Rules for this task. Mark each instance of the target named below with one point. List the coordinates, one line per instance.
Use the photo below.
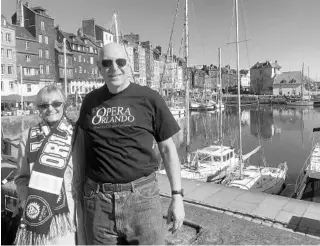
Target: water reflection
(284, 133)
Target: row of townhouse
(33, 56)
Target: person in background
(118, 123)
(45, 171)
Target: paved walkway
(281, 212)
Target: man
(120, 121)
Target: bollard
(6, 146)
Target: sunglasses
(47, 105)
(120, 62)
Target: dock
(285, 213)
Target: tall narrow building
(41, 26)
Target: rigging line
(198, 32)
(232, 22)
(245, 32)
(170, 41)
(181, 43)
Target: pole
(186, 39)
(21, 85)
(238, 80)
(220, 97)
(65, 67)
(116, 26)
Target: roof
(288, 78)
(22, 32)
(59, 47)
(69, 37)
(266, 64)
(104, 29)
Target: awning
(17, 98)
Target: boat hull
(300, 103)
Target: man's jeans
(123, 217)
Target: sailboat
(305, 100)
(253, 178)
(307, 185)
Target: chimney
(20, 13)
(27, 4)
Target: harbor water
(285, 133)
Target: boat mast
(186, 50)
(302, 81)
(238, 80)
(220, 97)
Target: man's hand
(176, 213)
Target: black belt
(103, 187)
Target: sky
(287, 31)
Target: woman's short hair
(44, 93)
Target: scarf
(46, 214)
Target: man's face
(113, 65)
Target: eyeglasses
(120, 62)
(47, 105)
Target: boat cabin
(214, 154)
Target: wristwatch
(178, 192)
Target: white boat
(263, 179)
(176, 111)
(211, 164)
(300, 103)
(207, 106)
(307, 185)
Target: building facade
(91, 29)
(262, 76)
(245, 79)
(288, 84)
(41, 26)
(27, 51)
(8, 59)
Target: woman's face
(51, 107)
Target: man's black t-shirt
(120, 129)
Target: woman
(44, 180)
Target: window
(79, 47)
(28, 87)
(2, 36)
(28, 58)
(27, 45)
(75, 70)
(41, 69)
(1, 85)
(40, 38)
(46, 41)
(92, 70)
(79, 58)
(11, 85)
(47, 54)
(91, 50)
(84, 59)
(84, 71)
(47, 69)
(2, 68)
(9, 53)
(80, 69)
(91, 60)
(40, 53)
(8, 37)
(2, 52)
(42, 25)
